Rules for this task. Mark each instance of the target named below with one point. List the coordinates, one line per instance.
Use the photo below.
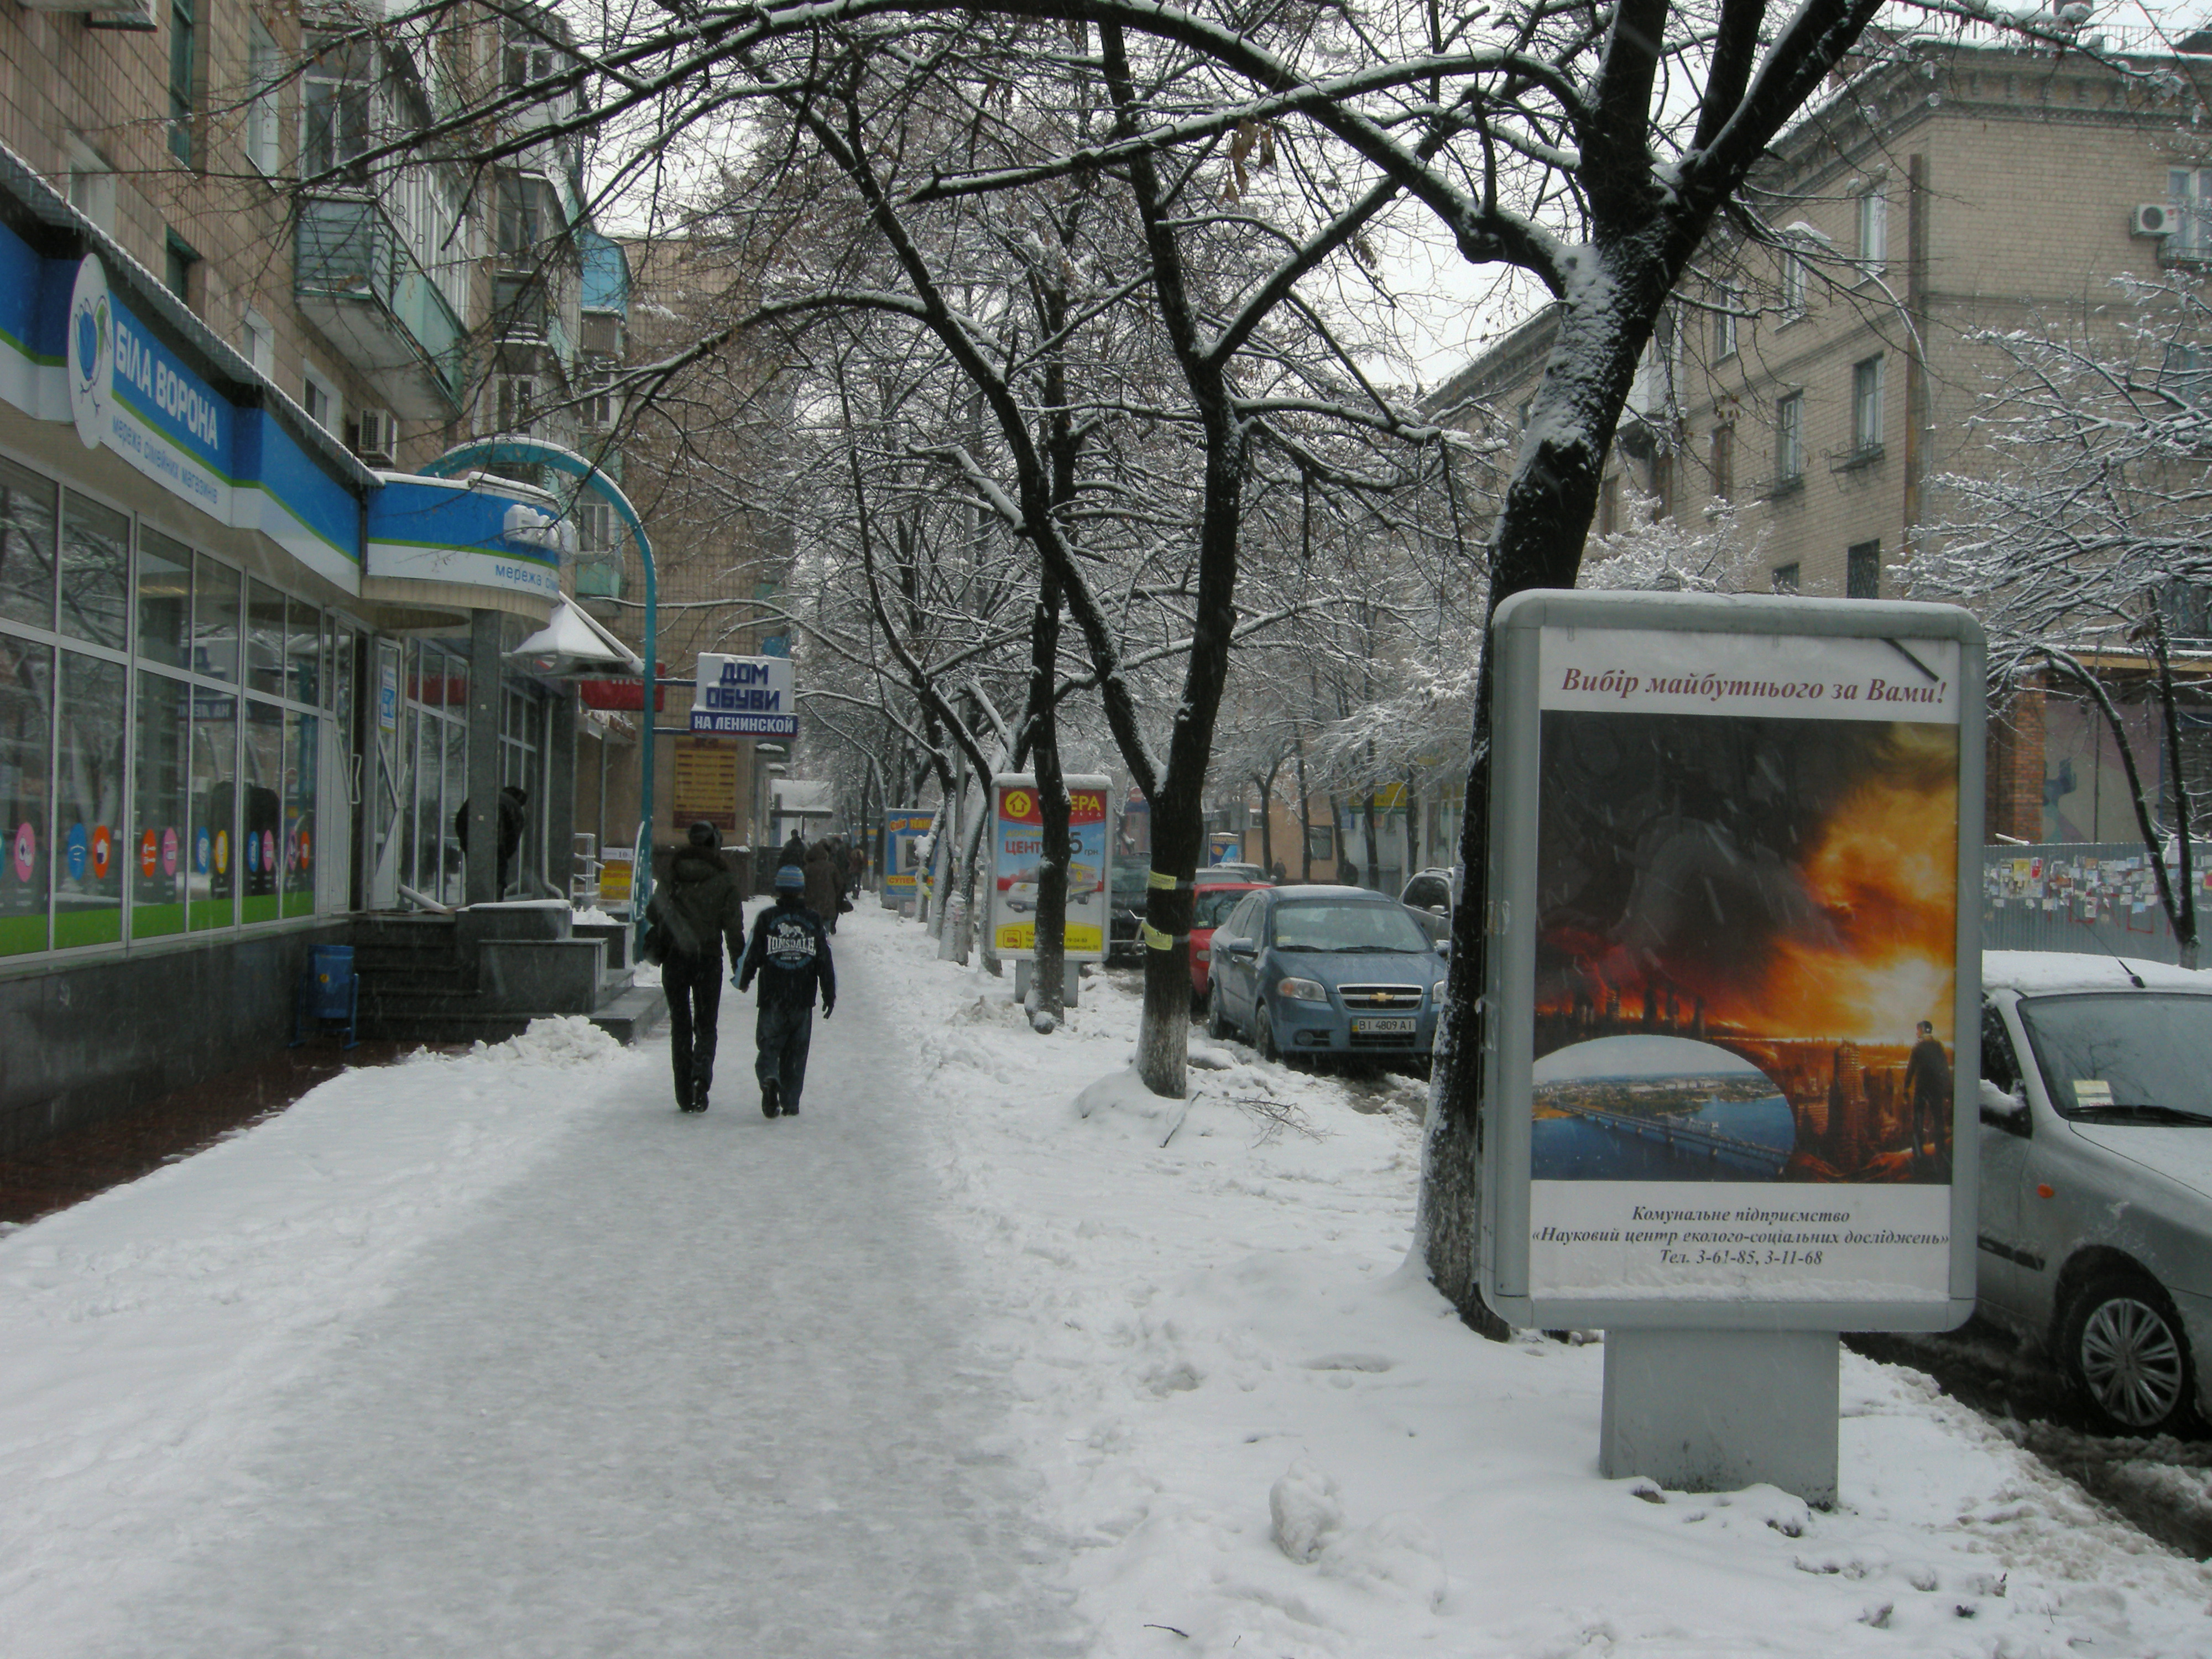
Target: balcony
(355, 281)
(600, 585)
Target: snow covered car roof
(2034, 973)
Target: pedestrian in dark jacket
(697, 908)
(793, 853)
(513, 816)
(790, 953)
(821, 883)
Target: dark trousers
(784, 1032)
(694, 985)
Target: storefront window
(457, 793)
(265, 639)
(160, 850)
(302, 759)
(260, 852)
(215, 619)
(303, 652)
(213, 877)
(164, 600)
(429, 815)
(26, 547)
(95, 571)
(27, 706)
(88, 798)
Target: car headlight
(1301, 990)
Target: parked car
(1232, 871)
(1325, 970)
(2095, 1230)
(1125, 910)
(1434, 889)
(1210, 902)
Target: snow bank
(1261, 1434)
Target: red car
(1212, 903)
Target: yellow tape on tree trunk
(1154, 938)
(1162, 881)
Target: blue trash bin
(328, 992)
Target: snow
(989, 1353)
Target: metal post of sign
(535, 452)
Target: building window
(1321, 841)
(184, 68)
(517, 400)
(1724, 462)
(1862, 571)
(177, 263)
(2190, 191)
(1797, 278)
(264, 73)
(91, 184)
(1872, 230)
(1609, 505)
(1785, 578)
(601, 406)
(1726, 303)
(257, 341)
(529, 56)
(319, 399)
(1866, 406)
(2184, 376)
(1789, 438)
(335, 107)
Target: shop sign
(1734, 993)
(744, 697)
(477, 532)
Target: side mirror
(2004, 1111)
(1443, 947)
(1242, 947)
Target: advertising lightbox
(904, 827)
(1017, 849)
(1734, 973)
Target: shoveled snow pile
(556, 1040)
(1261, 1434)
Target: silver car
(2095, 1232)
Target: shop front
(247, 685)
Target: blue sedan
(1325, 970)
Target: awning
(574, 644)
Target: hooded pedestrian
(689, 916)
(821, 883)
(790, 953)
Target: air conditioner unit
(2154, 219)
(379, 443)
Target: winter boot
(791, 1109)
(698, 1098)
(768, 1100)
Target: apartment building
(1822, 378)
(256, 655)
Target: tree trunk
(1051, 964)
(1537, 543)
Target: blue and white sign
(744, 697)
(480, 531)
(91, 338)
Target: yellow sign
(1022, 936)
(706, 783)
(615, 870)
(1017, 803)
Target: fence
(2099, 897)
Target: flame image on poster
(1745, 939)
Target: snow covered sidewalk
(503, 1356)
(990, 1353)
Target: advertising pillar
(1732, 977)
(1017, 847)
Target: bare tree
(2082, 537)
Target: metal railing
(347, 248)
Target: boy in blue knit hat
(790, 953)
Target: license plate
(1381, 1027)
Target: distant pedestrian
(794, 852)
(790, 953)
(1928, 1087)
(513, 816)
(856, 863)
(822, 895)
(688, 918)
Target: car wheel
(1263, 1037)
(2124, 1350)
(1216, 1017)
